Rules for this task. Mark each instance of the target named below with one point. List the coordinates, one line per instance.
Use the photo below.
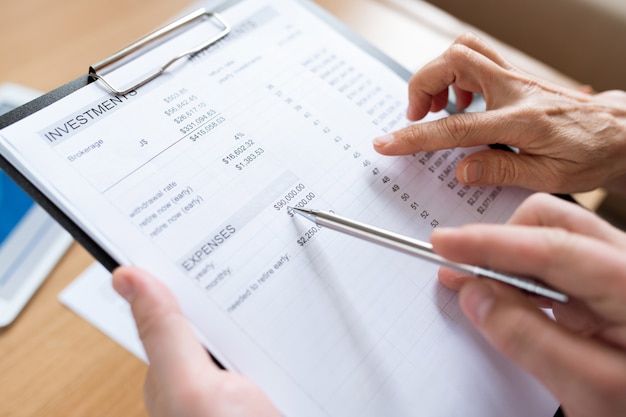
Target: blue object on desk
(31, 242)
(14, 204)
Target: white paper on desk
(92, 297)
(189, 177)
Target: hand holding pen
(581, 355)
(422, 250)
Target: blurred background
(585, 39)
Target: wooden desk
(52, 363)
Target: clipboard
(105, 258)
(132, 51)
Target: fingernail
(383, 140)
(443, 231)
(472, 172)
(123, 286)
(478, 302)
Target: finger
(452, 280)
(587, 89)
(528, 337)
(531, 171)
(546, 210)
(500, 167)
(457, 130)
(614, 98)
(582, 267)
(460, 65)
(478, 44)
(172, 348)
(577, 317)
(615, 335)
(463, 98)
(439, 101)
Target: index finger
(469, 64)
(581, 266)
(457, 130)
(542, 209)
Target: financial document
(191, 177)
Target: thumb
(171, 346)
(500, 167)
(527, 336)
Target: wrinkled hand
(182, 380)
(580, 357)
(569, 141)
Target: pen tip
(302, 212)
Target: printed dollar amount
(308, 235)
(198, 121)
(292, 197)
(248, 159)
(237, 152)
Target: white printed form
(191, 177)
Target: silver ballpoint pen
(422, 250)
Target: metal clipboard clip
(195, 17)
